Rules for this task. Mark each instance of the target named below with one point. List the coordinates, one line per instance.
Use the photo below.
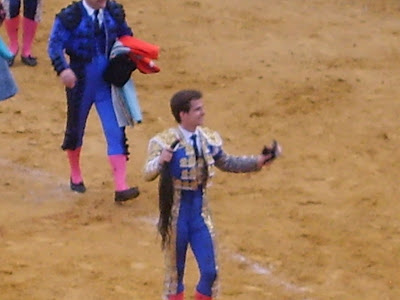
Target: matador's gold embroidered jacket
(183, 163)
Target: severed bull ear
(274, 150)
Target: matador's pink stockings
(199, 296)
(176, 297)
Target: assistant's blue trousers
(92, 89)
(31, 8)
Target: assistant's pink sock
(118, 164)
(73, 157)
(12, 26)
(29, 30)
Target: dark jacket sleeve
(56, 46)
(118, 14)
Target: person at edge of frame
(86, 31)
(32, 14)
(8, 87)
(191, 152)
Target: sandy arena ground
(321, 77)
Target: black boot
(131, 193)
(11, 61)
(77, 187)
(29, 60)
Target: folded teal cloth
(125, 100)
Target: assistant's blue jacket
(73, 32)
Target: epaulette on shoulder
(213, 137)
(167, 137)
(117, 11)
(71, 15)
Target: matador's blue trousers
(92, 89)
(30, 8)
(192, 230)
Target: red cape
(142, 53)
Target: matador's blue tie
(196, 150)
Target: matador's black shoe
(122, 196)
(77, 187)
(29, 60)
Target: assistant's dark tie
(194, 143)
(97, 27)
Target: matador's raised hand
(269, 153)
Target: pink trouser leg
(118, 164)
(28, 35)
(73, 157)
(12, 26)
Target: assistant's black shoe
(77, 187)
(131, 193)
(11, 60)
(29, 60)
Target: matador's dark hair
(180, 101)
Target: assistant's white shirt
(90, 10)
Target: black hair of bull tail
(166, 199)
